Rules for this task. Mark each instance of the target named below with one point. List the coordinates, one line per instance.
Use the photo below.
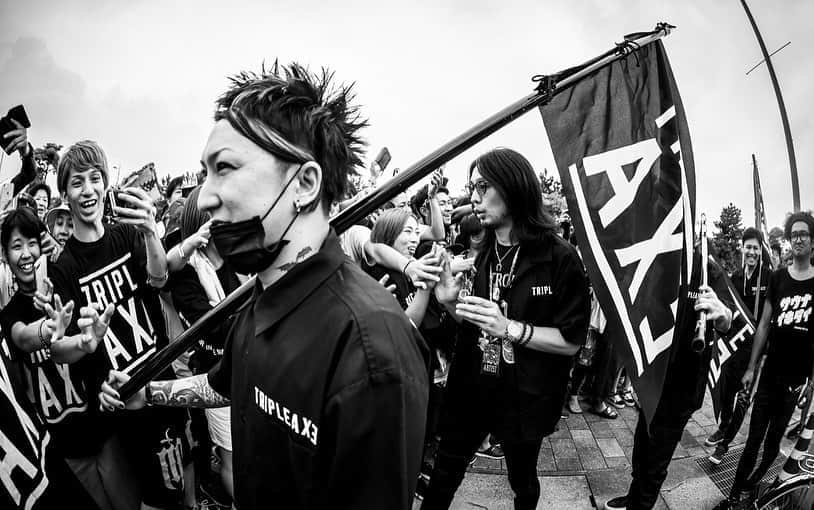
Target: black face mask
(240, 243)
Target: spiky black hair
(308, 111)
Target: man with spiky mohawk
(326, 378)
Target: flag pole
(795, 185)
(357, 211)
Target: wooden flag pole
(355, 212)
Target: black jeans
(652, 454)
(453, 457)
(773, 407)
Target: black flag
(740, 334)
(623, 152)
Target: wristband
(148, 395)
(181, 251)
(156, 279)
(404, 269)
(46, 344)
(526, 339)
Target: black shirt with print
(549, 289)
(747, 287)
(791, 333)
(329, 385)
(32, 474)
(113, 269)
(58, 390)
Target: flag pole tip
(665, 27)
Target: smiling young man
(750, 281)
(326, 377)
(119, 268)
(787, 324)
(518, 331)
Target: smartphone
(111, 201)
(41, 273)
(383, 158)
(17, 113)
(6, 195)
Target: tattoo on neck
(284, 268)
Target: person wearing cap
(60, 223)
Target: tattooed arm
(192, 391)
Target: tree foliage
(553, 198)
(727, 237)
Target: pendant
(490, 363)
(495, 293)
(498, 267)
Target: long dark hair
(511, 175)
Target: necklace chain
(499, 265)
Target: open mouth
(26, 267)
(88, 204)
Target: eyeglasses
(801, 235)
(480, 186)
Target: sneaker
(619, 503)
(617, 401)
(495, 451)
(718, 455)
(715, 438)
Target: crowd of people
(369, 368)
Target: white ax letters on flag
(625, 160)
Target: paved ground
(587, 461)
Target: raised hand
(60, 316)
(41, 299)
(142, 212)
(93, 325)
(449, 285)
(19, 139)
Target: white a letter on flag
(623, 152)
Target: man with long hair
(518, 331)
(326, 377)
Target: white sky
(141, 77)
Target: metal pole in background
(795, 185)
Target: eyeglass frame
(800, 235)
(481, 186)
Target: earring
(297, 206)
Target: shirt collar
(283, 296)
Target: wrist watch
(514, 331)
